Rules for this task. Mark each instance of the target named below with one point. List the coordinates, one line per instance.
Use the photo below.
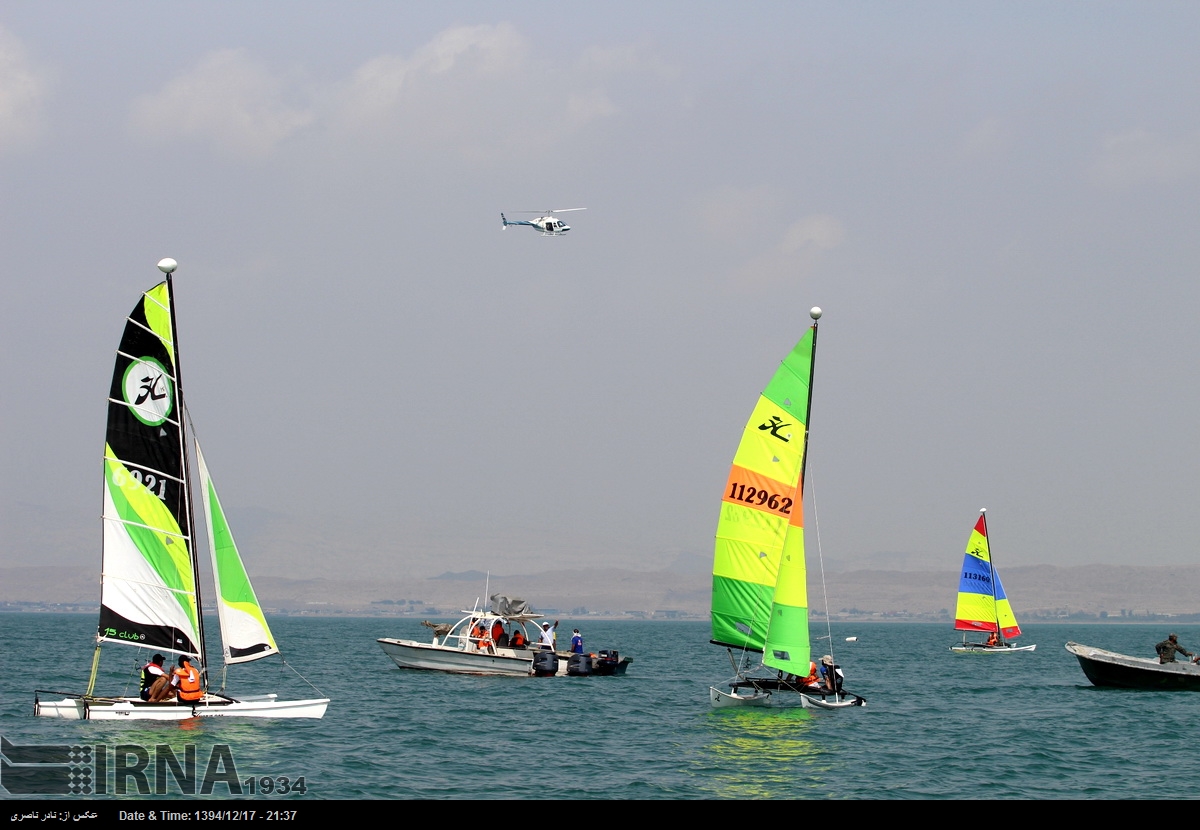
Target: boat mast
(168, 266)
(992, 570)
(815, 314)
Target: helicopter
(547, 223)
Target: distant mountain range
(1042, 591)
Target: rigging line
(146, 467)
(164, 531)
(812, 491)
(135, 359)
(128, 405)
(295, 671)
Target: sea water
(936, 725)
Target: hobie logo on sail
(147, 390)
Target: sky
(995, 203)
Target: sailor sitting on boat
(993, 640)
(831, 675)
(156, 683)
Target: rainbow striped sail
(760, 596)
(982, 603)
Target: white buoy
(815, 312)
(851, 639)
(167, 265)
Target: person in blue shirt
(576, 642)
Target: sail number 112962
(758, 495)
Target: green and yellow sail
(760, 595)
(245, 634)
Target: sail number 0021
(758, 495)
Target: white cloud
(989, 137)
(22, 90)
(795, 253)
(376, 90)
(730, 211)
(470, 91)
(583, 107)
(226, 99)
(816, 233)
(1142, 157)
(626, 59)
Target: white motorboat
(502, 640)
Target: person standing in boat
(546, 639)
(1167, 648)
(576, 642)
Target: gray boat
(1108, 668)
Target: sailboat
(983, 607)
(760, 592)
(150, 591)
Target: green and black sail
(148, 590)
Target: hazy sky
(996, 204)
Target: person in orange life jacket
(156, 683)
(993, 640)
(518, 638)
(477, 633)
(499, 637)
(187, 679)
(485, 639)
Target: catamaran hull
(267, 706)
(842, 701)
(722, 700)
(983, 648)
(1121, 671)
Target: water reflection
(764, 753)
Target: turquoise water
(936, 725)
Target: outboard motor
(545, 664)
(579, 665)
(607, 661)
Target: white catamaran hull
(980, 648)
(721, 700)
(833, 702)
(265, 706)
(410, 654)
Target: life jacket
(518, 639)
(148, 678)
(189, 683)
(813, 675)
